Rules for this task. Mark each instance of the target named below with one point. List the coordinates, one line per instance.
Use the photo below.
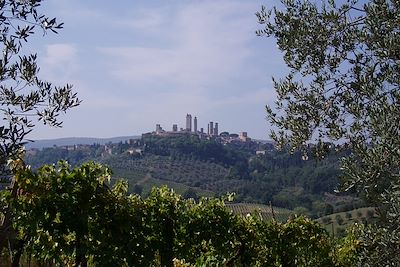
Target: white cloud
(59, 62)
(206, 48)
(59, 54)
(143, 19)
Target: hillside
(69, 141)
(195, 167)
(337, 223)
(265, 212)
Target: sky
(135, 64)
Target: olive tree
(25, 99)
(343, 88)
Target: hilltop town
(135, 146)
(193, 129)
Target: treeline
(51, 155)
(285, 179)
(196, 148)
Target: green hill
(194, 166)
(69, 141)
(337, 223)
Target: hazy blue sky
(138, 63)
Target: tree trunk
(80, 258)
(6, 231)
(167, 252)
(19, 248)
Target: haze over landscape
(135, 64)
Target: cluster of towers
(212, 129)
(191, 127)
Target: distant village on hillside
(192, 129)
(136, 145)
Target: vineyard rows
(266, 213)
(189, 172)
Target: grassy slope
(179, 174)
(336, 223)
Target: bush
(340, 232)
(65, 210)
(326, 220)
(339, 219)
(370, 214)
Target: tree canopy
(343, 86)
(24, 97)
